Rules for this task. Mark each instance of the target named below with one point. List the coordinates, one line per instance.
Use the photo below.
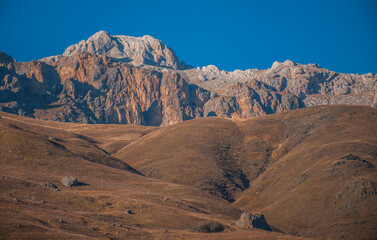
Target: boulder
(253, 220)
(69, 181)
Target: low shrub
(209, 227)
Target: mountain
(97, 89)
(180, 152)
(137, 50)
(128, 80)
(311, 172)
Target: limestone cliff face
(285, 86)
(97, 89)
(245, 100)
(138, 51)
(101, 81)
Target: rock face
(144, 50)
(96, 89)
(128, 80)
(283, 87)
(253, 220)
(69, 181)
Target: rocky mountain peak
(145, 50)
(5, 58)
(286, 63)
(99, 35)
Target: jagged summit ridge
(145, 50)
(93, 88)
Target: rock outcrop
(69, 181)
(253, 220)
(128, 80)
(49, 185)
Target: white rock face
(211, 68)
(211, 77)
(144, 50)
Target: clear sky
(338, 35)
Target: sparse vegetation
(209, 227)
(311, 184)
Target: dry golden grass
(290, 161)
(35, 151)
(321, 180)
(312, 172)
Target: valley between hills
(311, 172)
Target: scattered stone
(165, 199)
(300, 179)
(129, 212)
(34, 199)
(194, 208)
(253, 220)
(16, 199)
(62, 221)
(49, 184)
(69, 181)
(52, 138)
(43, 202)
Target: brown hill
(112, 201)
(312, 172)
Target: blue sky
(338, 35)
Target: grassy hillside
(34, 152)
(311, 171)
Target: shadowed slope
(27, 141)
(203, 153)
